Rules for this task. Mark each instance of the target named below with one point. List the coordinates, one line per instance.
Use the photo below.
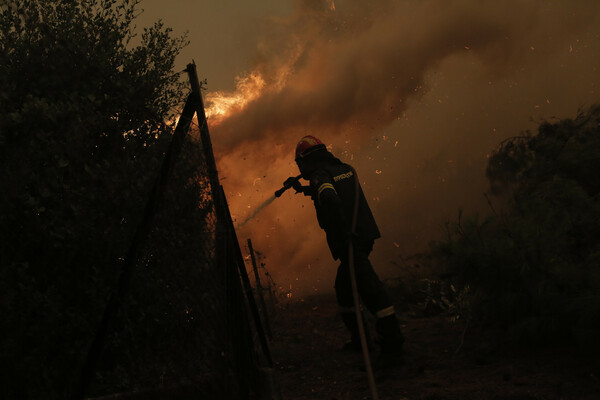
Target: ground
(442, 361)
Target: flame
(221, 104)
(251, 86)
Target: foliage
(533, 267)
(83, 110)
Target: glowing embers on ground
(222, 104)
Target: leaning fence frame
(228, 251)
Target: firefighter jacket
(332, 189)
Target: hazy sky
(222, 33)
(415, 94)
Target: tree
(84, 111)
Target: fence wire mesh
(183, 328)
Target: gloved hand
(294, 183)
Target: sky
(414, 94)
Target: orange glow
(221, 105)
(350, 78)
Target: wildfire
(221, 104)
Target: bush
(534, 267)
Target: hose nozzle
(289, 182)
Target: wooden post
(225, 229)
(245, 280)
(259, 289)
(211, 164)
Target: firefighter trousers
(373, 294)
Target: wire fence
(181, 328)
(185, 326)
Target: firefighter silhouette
(332, 188)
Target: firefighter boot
(391, 340)
(349, 319)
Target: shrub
(533, 267)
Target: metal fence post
(259, 289)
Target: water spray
(286, 185)
(256, 211)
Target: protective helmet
(307, 145)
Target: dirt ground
(308, 336)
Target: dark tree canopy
(77, 98)
(532, 265)
(85, 106)
(568, 150)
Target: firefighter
(332, 189)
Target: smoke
(415, 94)
(334, 69)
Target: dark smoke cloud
(360, 65)
(415, 94)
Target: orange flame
(250, 86)
(222, 104)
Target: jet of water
(256, 211)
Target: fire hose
(359, 320)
